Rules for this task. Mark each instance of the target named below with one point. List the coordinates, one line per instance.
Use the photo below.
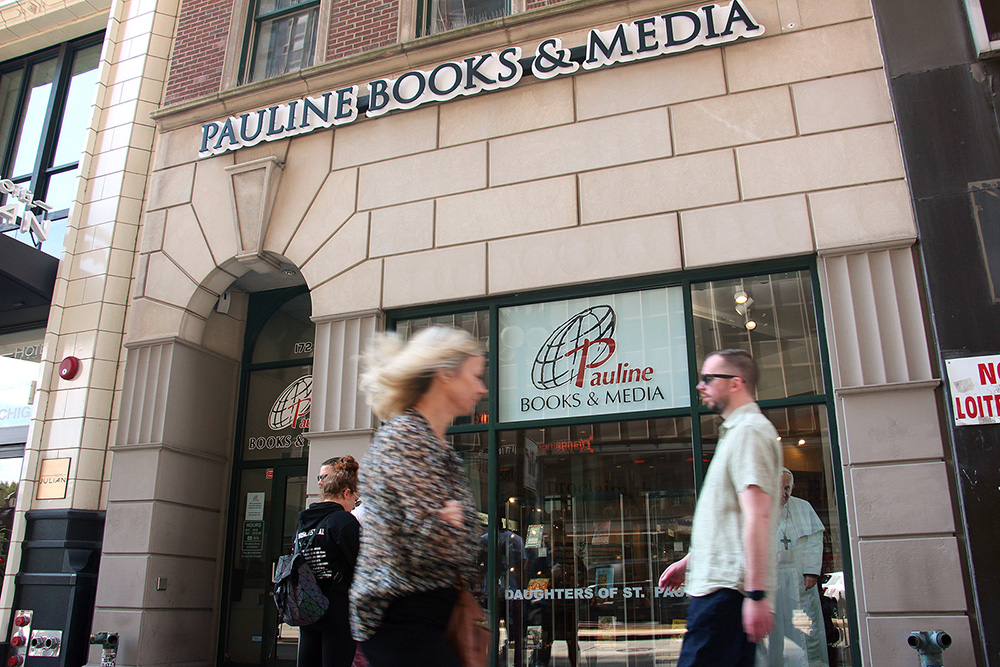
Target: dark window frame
(254, 23)
(43, 170)
(425, 24)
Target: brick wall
(199, 50)
(357, 26)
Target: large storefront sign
(280, 412)
(975, 389)
(651, 37)
(601, 355)
(17, 214)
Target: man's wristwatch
(756, 596)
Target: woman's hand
(453, 513)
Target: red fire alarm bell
(69, 367)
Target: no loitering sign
(975, 389)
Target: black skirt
(412, 633)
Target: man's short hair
(744, 365)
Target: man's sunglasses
(707, 378)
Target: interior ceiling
(27, 277)
(286, 275)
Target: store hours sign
(592, 356)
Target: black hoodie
(336, 538)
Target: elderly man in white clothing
(798, 615)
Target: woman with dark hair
(421, 529)
(329, 536)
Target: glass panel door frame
(282, 470)
(279, 509)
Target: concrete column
(340, 422)
(905, 544)
(161, 570)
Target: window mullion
(285, 11)
(53, 111)
(17, 120)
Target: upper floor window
(283, 35)
(434, 16)
(984, 17)
(45, 111)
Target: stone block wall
(779, 146)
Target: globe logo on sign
(573, 346)
(292, 404)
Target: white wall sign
(661, 35)
(18, 370)
(975, 389)
(600, 355)
(255, 506)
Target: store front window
(592, 446)
(602, 509)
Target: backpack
(297, 594)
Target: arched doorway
(270, 476)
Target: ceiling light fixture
(743, 303)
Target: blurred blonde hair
(397, 373)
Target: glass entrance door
(270, 477)
(267, 514)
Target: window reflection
(79, 105)
(288, 334)
(444, 15)
(770, 316)
(477, 323)
(589, 517)
(33, 119)
(812, 624)
(10, 84)
(61, 193)
(286, 42)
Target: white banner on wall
(16, 376)
(599, 355)
(975, 389)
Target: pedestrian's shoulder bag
(297, 594)
(468, 631)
